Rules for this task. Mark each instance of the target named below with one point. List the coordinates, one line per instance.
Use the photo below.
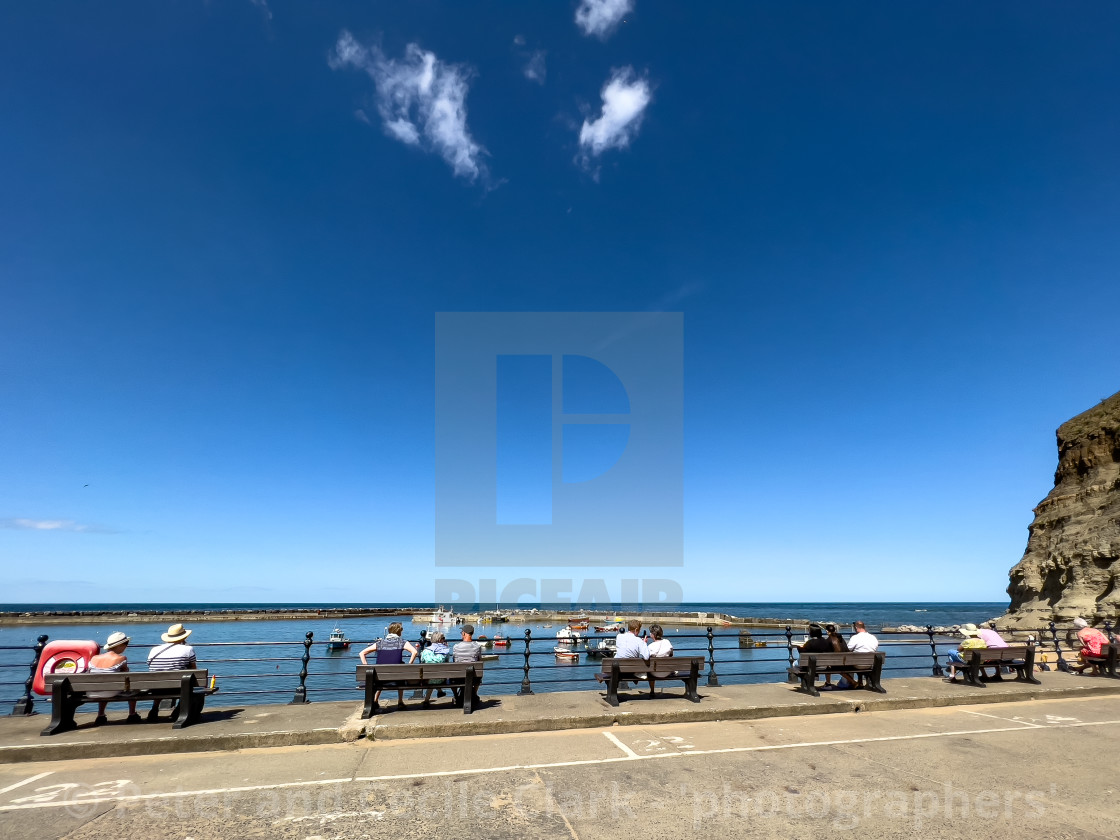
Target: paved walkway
(324, 723)
(1038, 768)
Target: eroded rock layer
(1072, 560)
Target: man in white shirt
(862, 641)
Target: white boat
(440, 618)
(566, 655)
(568, 636)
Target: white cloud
(535, 68)
(52, 525)
(421, 101)
(601, 17)
(625, 97)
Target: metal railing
(307, 669)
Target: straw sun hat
(116, 640)
(175, 633)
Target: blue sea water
(258, 661)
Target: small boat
(568, 636)
(489, 657)
(610, 628)
(337, 641)
(602, 649)
(500, 641)
(565, 655)
(546, 626)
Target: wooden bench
(1019, 657)
(462, 677)
(69, 691)
(658, 668)
(812, 665)
(1106, 662)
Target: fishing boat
(610, 628)
(580, 622)
(565, 654)
(440, 618)
(500, 640)
(337, 641)
(602, 649)
(568, 636)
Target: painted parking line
(26, 781)
(629, 752)
(85, 799)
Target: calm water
(223, 646)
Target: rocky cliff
(1072, 561)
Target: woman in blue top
(437, 652)
(390, 651)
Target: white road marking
(632, 757)
(997, 717)
(629, 752)
(26, 781)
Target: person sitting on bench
(390, 651)
(1093, 642)
(628, 645)
(436, 653)
(660, 646)
(112, 661)
(972, 641)
(173, 655)
(468, 650)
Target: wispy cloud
(18, 524)
(421, 101)
(263, 6)
(625, 98)
(601, 17)
(534, 68)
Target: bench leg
(369, 709)
(612, 686)
(63, 706)
(971, 672)
(191, 712)
(693, 680)
(875, 678)
(1026, 671)
(470, 687)
(809, 678)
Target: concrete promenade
(1040, 768)
(250, 727)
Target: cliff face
(1072, 561)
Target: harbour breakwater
(605, 618)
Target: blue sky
(227, 228)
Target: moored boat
(565, 655)
(337, 641)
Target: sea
(259, 661)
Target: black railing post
(1062, 664)
(26, 704)
(789, 651)
(937, 671)
(1108, 632)
(301, 692)
(526, 688)
(713, 679)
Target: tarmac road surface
(1033, 769)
